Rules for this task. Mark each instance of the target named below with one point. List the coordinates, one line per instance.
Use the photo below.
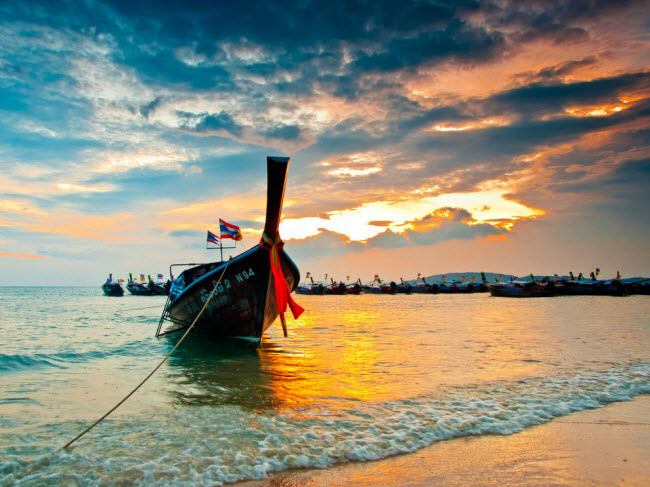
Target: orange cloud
(22, 256)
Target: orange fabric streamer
(282, 292)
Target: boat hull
(314, 290)
(138, 289)
(244, 303)
(336, 289)
(113, 289)
(519, 291)
(591, 288)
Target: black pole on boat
(277, 179)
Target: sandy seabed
(609, 446)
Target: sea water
(359, 378)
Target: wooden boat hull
(454, 290)
(336, 289)
(314, 290)
(138, 289)
(591, 288)
(114, 289)
(381, 289)
(404, 289)
(355, 289)
(243, 306)
(638, 288)
(519, 291)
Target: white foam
(212, 446)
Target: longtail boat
(404, 287)
(454, 288)
(424, 287)
(249, 291)
(139, 288)
(337, 288)
(519, 289)
(355, 288)
(310, 288)
(112, 288)
(612, 287)
(380, 288)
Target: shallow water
(358, 378)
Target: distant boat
(337, 288)
(612, 287)
(310, 288)
(380, 288)
(112, 288)
(355, 288)
(642, 286)
(518, 289)
(424, 287)
(454, 288)
(140, 288)
(404, 287)
(250, 290)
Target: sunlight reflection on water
(393, 373)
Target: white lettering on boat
(205, 294)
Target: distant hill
(457, 276)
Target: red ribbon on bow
(282, 292)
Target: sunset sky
(425, 137)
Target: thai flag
(160, 276)
(212, 238)
(228, 230)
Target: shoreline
(604, 446)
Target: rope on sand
(152, 372)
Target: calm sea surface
(359, 378)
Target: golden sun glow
(595, 111)
(346, 171)
(476, 125)
(488, 206)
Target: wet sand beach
(609, 446)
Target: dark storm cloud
(548, 19)
(457, 40)
(308, 38)
(538, 99)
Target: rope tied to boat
(282, 291)
(154, 370)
